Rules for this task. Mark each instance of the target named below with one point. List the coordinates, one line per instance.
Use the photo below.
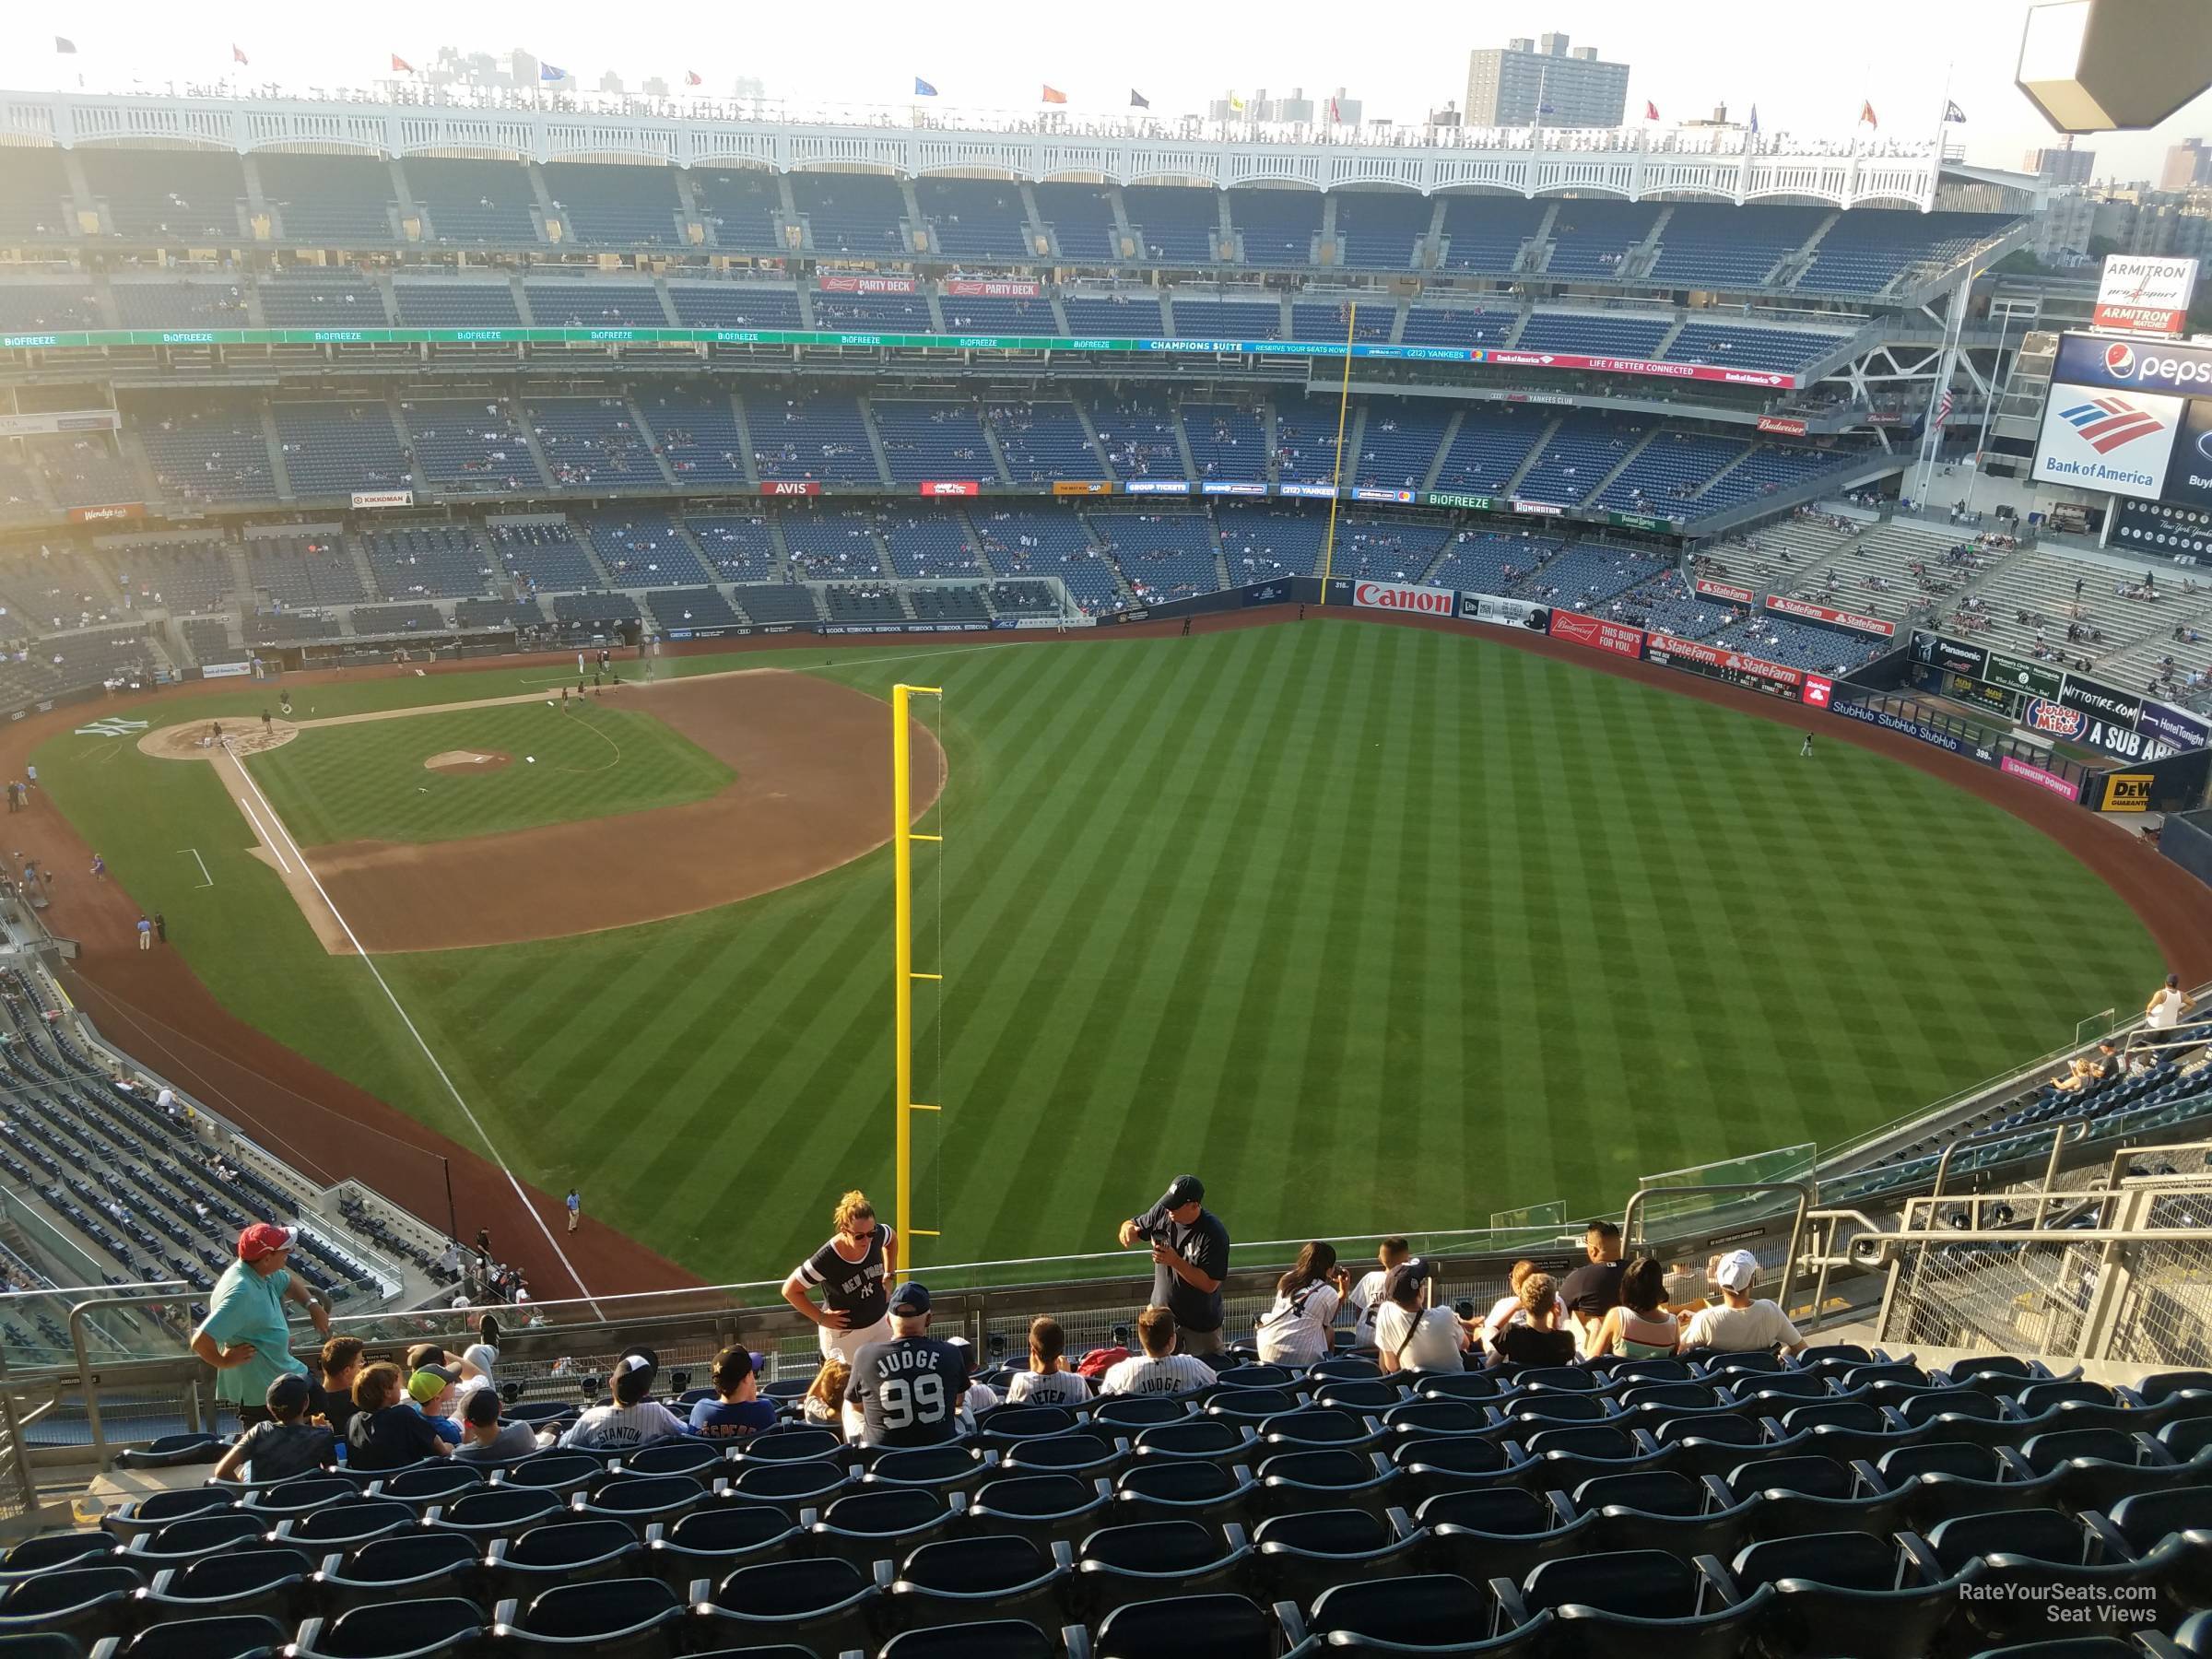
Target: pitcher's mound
(469, 760)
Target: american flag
(1943, 409)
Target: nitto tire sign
(1399, 596)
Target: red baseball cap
(264, 1238)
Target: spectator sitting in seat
(824, 1402)
(632, 1419)
(1048, 1381)
(284, 1443)
(1410, 1333)
(1366, 1297)
(909, 1390)
(477, 1360)
(484, 1439)
(1537, 1338)
(1595, 1285)
(1297, 1330)
(430, 1389)
(386, 1431)
(331, 1400)
(1160, 1370)
(1640, 1327)
(1506, 1310)
(1740, 1326)
(738, 1412)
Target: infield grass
(367, 781)
(1375, 928)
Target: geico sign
(1387, 596)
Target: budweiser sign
(1829, 614)
(1722, 590)
(866, 285)
(1787, 424)
(1402, 596)
(790, 487)
(950, 487)
(1597, 633)
(976, 287)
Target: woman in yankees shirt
(852, 1271)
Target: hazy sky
(1806, 67)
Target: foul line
(261, 835)
(205, 880)
(376, 973)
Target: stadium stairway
(1622, 466)
(868, 425)
(279, 472)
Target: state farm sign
(1829, 614)
(2148, 294)
(1400, 596)
(799, 486)
(1722, 590)
(950, 487)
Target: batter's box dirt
(195, 739)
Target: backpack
(1096, 1363)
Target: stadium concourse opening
(812, 761)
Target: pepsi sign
(2103, 362)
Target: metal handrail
(88, 1380)
(1804, 1189)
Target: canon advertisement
(2131, 418)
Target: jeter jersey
(908, 1391)
(852, 1288)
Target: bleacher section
(642, 549)
(181, 576)
(1379, 229)
(591, 445)
(1768, 469)
(1586, 447)
(1260, 542)
(474, 204)
(1227, 442)
(1386, 550)
(697, 435)
(337, 448)
(543, 557)
(1278, 226)
(304, 569)
(1399, 442)
(1029, 542)
(975, 218)
(1174, 224)
(466, 448)
(782, 602)
(1042, 441)
(329, 201)
(1589, 574)
(1489, 447)
(801, 437)
(1137, 430)
(434, 562)
(853, 214)
(1801, 644)
(1493, 561)
(1485, 233)
(929, 544)
(690, 608)
(740, 549)
(739, 206)
(931, 440)
(167, 197)
(1162, 555)
(1668, 472)
(829, 544)
(614, 207)
(1706, 245)
(1305, 441)
(207, 450)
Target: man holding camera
(1190, 1259)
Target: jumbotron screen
(2130, 416)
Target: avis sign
(2149, 296)
(1403, 596)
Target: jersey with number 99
(908, 1391)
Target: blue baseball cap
(911, 1300)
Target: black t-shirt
(909, 1390)
(390, 1439)
(337, 1409)
(1205, 1244)
(1525, 1345)
(853, 1289)
(1592, 1288)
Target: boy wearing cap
(244, 1336)
(427, 1390)
(738, 1412)
(1190, 1259)
(284, 1443)
(632, 1419)
(484, 1439)
(909, 1389)
(1740, 1326)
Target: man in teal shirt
(244, 1336)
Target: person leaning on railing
(245, 1337)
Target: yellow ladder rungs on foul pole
(903, 836)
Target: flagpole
(1989, 409)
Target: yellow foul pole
(902, 992)
(1344, 398)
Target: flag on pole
(1866, 116)
(1755, 118)
(1235, 104)
(1650, 110)
(1943, 408)
(64, 44)
(693, 78)
(923, 88)
(549, 72)
(1137, 100)
(1951, 111)
(237, 56)
(1545, 108)
(1053, 95)
(1333, 117)
(400, 65)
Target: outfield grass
(367, 781)
(1375, 928)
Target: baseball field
(1376, 928)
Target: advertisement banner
(1829, 614)
(363, 499)
(1786, 425)
(790, 487)
(1231, 486)
(1321, 492)
(2051, 719)
(1597, 633)
(866, 284)
(2150, 296)
(992, 289)
(2036, 775)
(1611, 365)
(2037, 679)
(225, 670)
(1950, 656)
(1081, 486)
(2095, 438)
(1540, 509)
(2100, 361)
(1367, 493)
(69, 420)
(1642, 521)
(1404, 597)
(1266, 593)
(1157, 487)
(2189, 480)
(1820, 692)
(1503, 613)
(1934, 735)
(108, 513)
(2171, 726)
(2126, 791)
(949, 486)
(1461, 499)
(1722, 590)
(1735, 666)
(2103, 702)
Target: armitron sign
(2149, 296)
(1402, 596)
